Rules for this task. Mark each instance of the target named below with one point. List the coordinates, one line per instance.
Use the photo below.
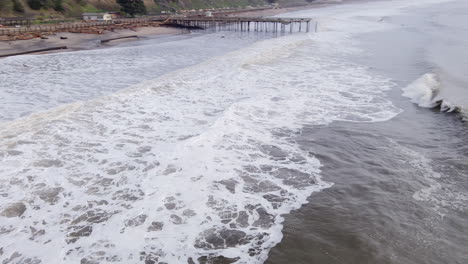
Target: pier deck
(273, 24)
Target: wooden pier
(257, 24)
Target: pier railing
(258, 24)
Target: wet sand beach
(82, 41)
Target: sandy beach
(81, 41)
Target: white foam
(425, 92)
(436, 188)
(31, 83)
(184, 166)
(201, 162)
(354, 19)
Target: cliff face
(67, 8)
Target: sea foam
(425, 92)
(185, 168)
(197, 165)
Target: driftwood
(33, 51)
(84, 27)
(108, 40)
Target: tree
(17, 6)
(35, 4)
(132, 7)
(58, 6)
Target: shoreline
(82, 41)
(85, 41)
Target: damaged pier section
(257, 24)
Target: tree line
(18, 6)
(130, 7)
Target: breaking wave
(425, 92)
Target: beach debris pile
(84, 28)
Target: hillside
(69, 8)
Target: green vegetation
(132, 7)
(172, 5)
(58, 6)
(18, 6)
(74, 8)
(35, 4)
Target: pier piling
(242, 24)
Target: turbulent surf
(182, 168)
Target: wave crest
(425, 92)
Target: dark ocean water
(372, 213)
(401, 186)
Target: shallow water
(204, 163)
(31, 84)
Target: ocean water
(400, 186)
(198, 149)
(446, 84)
(32, 84)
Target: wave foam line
(195, 166)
